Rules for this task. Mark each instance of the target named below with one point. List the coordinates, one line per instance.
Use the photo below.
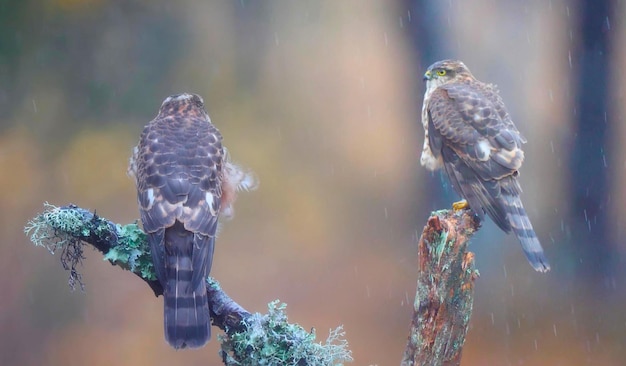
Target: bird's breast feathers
(428, 159)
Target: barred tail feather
(187, 320)
(186, 310)
(523, 229)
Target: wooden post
(445, 290)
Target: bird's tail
(523, 229)
(186, 310)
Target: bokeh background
(322, 100)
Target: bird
(185, 181)
(469, 133)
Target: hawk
(184, 182)
(469, 133)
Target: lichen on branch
(272, 338)
(250, 339)
(68, 228)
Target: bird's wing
(478, 147)
(178, 169)
(473, 121)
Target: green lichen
(132, 251)
(55, 228)
(440, 245)
(65, 229)
(271, 340)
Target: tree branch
(442, 308)
(249, 339)
(445, 290)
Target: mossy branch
(445, 290)
(250, 339)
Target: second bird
(470, 134)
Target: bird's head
(184, 98)
(185, 103)
(443, 72)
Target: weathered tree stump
(445, 290)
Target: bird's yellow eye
(441, 72)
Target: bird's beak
(428, 75)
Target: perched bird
(184, 182)
(469, 133)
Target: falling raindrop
(569, 57)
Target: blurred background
(322, 99)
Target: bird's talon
(460, 205)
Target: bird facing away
(469, 133)
(184, 182)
